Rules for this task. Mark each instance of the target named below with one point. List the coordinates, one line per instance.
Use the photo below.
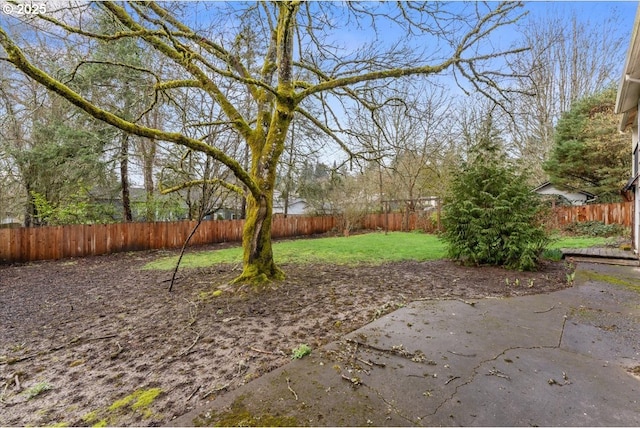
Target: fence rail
(59, 242)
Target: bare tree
(430, 39)
(567, 60)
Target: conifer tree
(491, 215)
(589, 153)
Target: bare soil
(100, 341)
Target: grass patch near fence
(577, 242)
(370, 248)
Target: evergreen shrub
(491, 216)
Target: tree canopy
(590, 153)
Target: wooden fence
(618, 213)
(59, 242)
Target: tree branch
(325, 129)
(376, 75)
(213, 48)
(17, 58)
(193, 183)
(175, 84)
(184, 60)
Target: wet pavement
(567, 358)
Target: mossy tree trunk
(258, 263)
(275, 113)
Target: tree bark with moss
(292, 39)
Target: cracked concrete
(557, 359)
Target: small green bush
(554, 254)
(301, 351)
(594, 228)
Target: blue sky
(586, 8)
(594, 11)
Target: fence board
(5, 244)
(31, 244)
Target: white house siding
(296, 207)
(575, 198)
(627, 104)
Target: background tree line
(338, 127)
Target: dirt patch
(99, 341)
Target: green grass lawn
(577, 242)
(376, 248)
(373, 248)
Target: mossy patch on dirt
(90, 417)
(585, 314)
(240, 416)
(207, 296)
(138, 401)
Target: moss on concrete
(615, 280)
(239, 415)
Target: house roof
(569, 189)
(629, 88)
